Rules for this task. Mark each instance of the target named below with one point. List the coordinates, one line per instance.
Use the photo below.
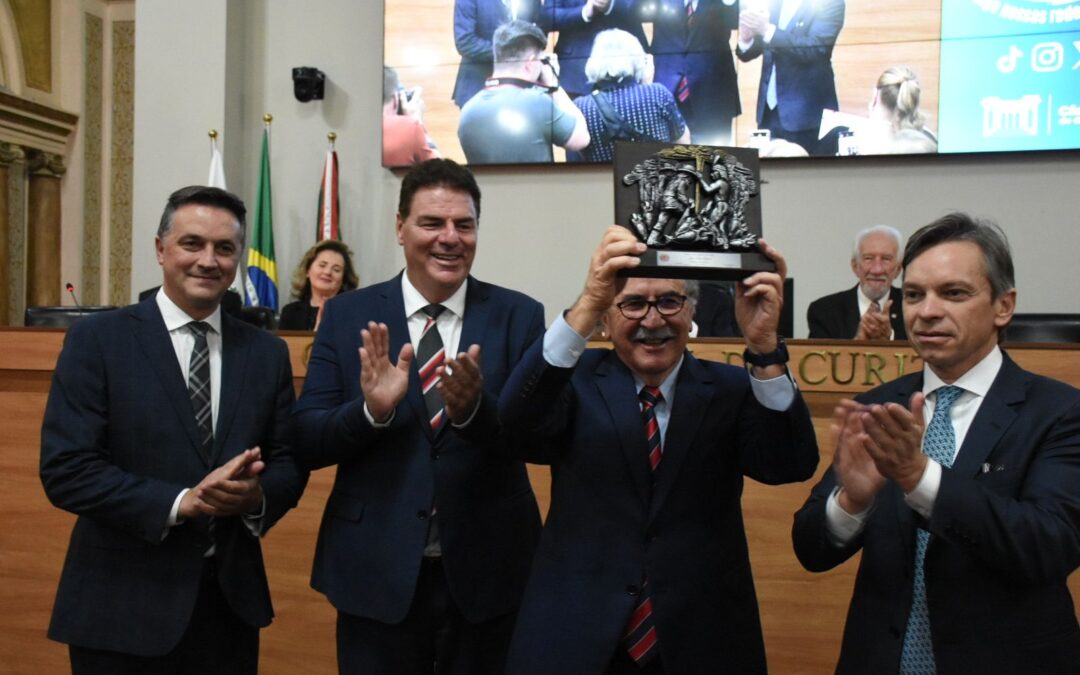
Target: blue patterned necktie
(939, 444)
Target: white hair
(878, 229)
(616, 55)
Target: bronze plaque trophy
(696, 207)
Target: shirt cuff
(924, 495)
(254, 521)
(776, 393)
(841, 525)
(174, 514)
(562, 345)
(379, 425)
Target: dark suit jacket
(836, 316)
(475, 22)
(372, 537)
(1002, 542)
(298, 315)
(802, 54)
(118, 444)
(576, 36)
(699, 52)
(609, 525)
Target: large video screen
(541, 81)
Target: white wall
(538, 226)
(179, 96)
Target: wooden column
(43, 228)
(8, 154)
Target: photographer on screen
(405, 139)
(522, 111)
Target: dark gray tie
(429, 356)
(199, 387)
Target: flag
(216, 179)
(261, 268)
(328, 198)
(217, 167)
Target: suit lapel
(905, 514)
(851, 312)
(474, 325)
(692, 394)
(618, 391)
(156, 345)
(995, 415)
(234, 361)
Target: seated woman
(896, 103)
(324, 271)
(625, 103)
(895, 125)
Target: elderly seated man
(870, 310)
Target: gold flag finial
(268, 118)
(213, 134)
(332, 136)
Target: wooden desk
(802, 613)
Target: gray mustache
(662, 333)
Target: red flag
(328, 198)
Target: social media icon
(1046, 57)
(1007, 63)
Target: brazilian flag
(262, 288)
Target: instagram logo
(1046, 57)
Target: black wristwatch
(778, 355)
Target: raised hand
(383, 384)
(758, 301)
(619, 249)
(855, 469)
(461, 384)
(875, 325)
(893, 438)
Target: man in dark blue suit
(693, 60)
(643, 564)
(796, 41)
(475, 22)
(165, 432)
(431, 525)
(960, 485)
(578, 22)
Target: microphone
(71, 289)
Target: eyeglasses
(637, 308)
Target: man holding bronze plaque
(643, 563)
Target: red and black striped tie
(640, 636)
(430, 355)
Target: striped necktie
(430, 355)
(199, 387)
(639, 638)
(939, 444)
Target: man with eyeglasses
(643, 565)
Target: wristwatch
(778, 355)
